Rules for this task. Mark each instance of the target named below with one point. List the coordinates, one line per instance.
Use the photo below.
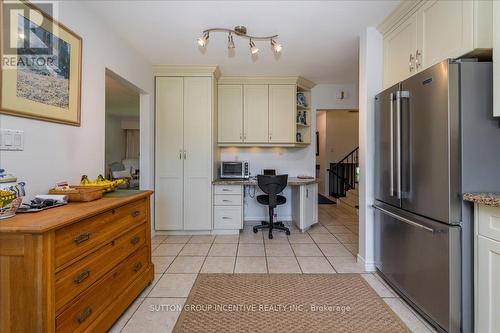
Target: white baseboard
(197, 232)
(369, 265)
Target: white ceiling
(320, 38)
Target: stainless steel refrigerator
(435, 139)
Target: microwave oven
(235, 170)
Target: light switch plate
(11, 140)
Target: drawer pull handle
(82, 316)
(226, 190)
(81, 277)
(136, 213)
(84, 236)
(225, 200)
(135, 240)
(226, 218)
(137, 266)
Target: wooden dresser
(74, 268)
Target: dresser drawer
(74, 279)
(228, 189)
(76, 239)
(90, 305)
(227, 200)
(489, 222)
(228, 217)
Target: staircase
(343, 179)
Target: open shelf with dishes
(303, 116)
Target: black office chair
(272, 185)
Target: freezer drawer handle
(402, 219)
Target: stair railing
(344, 174)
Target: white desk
(229, 195)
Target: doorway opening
(122, 128)
(337, 172)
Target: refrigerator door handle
(399, 96)
(402, 219)
(391, 114)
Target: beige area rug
(317, 303)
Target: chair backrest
(272, 185)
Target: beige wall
(338, 136)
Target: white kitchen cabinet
(228, 207)
(399, 52)
(305, 205)
(230, 117)
(265, 107)
(197, 153)
(282, 120)
(496, 58)
(169, 155)
(487, 290)
(420, 34)
(184, 170)
(256, 113)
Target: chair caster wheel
(288, 232)
(255, 230)
(270, 236)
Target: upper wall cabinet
(262, 111)
(255, 113)
(230, 119)
(422, 33)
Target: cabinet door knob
(417, 61)
(83, 237)
(410, 63)
(135, 213)
(80, 318)
(135, 240)
(137, 266)
(81, 277)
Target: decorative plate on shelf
(301, 99)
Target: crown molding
(186, 70)
(404, 10)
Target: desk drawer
(74, 279)
(228, 217)
(227, 200)
(76, 239)
(90, 305)
(489, 222)
(228, 189)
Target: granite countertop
(292, 181)
(489, 199)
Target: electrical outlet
(11, 140)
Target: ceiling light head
(202, 41)
(230, 42)
(277, 47)
(254, 49)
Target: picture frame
(41, 69)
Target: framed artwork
(40, 76)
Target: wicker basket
(81, 193)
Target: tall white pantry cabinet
(184, 169)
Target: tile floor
(328, 247)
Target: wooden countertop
(489, 199)
(292, 181)
(60, 216)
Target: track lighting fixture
(253, 49)
(276, 46)
(202, 41)
(241, 31)
(230, 42)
